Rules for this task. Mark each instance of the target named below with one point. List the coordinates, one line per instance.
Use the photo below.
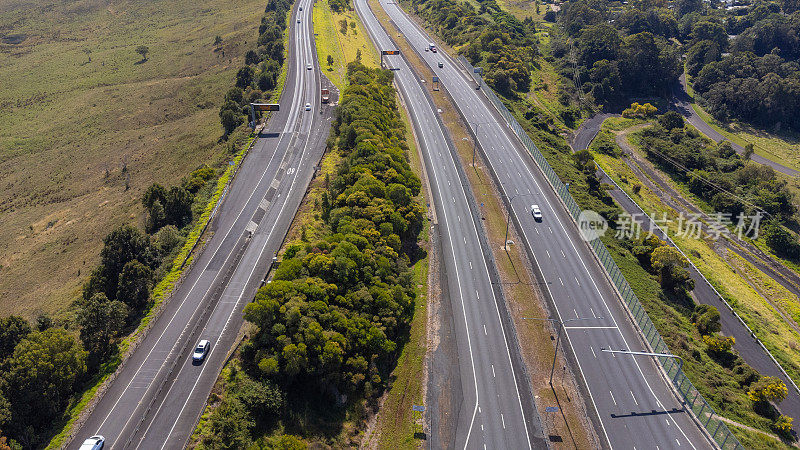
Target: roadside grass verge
(342, 47)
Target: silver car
(536, 212)
(93, 443)
(201, 351)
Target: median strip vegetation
(332, 321)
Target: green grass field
(84, 116)
(342, 47)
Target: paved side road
(158, 396)
(746, 344)
(683, 104)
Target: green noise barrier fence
(708, 418)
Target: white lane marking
(559, 279)
(493, 374)
(465, 240)
(574, 310)
(484, 330)
(634, 399)
(578, 327)
(612, 398)
(147, 358)
(548, 253)
(576, 280)
(459, 218)
(477, 295)
(592, 349)
(537, 230)
(679, 442)
(562, 253)
(241, 294)
(593, 314)
(470, 264)
(551, 230)
(503, 420)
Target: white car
(298, 20)
(93, 443)
(201, 351)
(536, 212)
(301, 8)
(308, 106)
(308, 66)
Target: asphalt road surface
(634, 404)
(157, 398)
(683, 104)
(497, 408)
(746, 344)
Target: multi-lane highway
(634, 405)
(496, 411)
(158, 396)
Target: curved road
(159, 394)
(682, 102)
(746, 344)
(634, 405)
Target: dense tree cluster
(262, 67)
(761, 90)
(338, 309)
(37, 378)
(716, 173)
(630, 56)
(489, 37)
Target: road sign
(419, 408)
(477, 69)
(265, 106)
(435, 79)
(551, 409)
(390, 52)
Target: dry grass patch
(88, 125)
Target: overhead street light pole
(663, 355)
(558, 340)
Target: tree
(178, 206)
(217, 40)
(262, 399)
(749, 149)
(42, 374)
(230, 120)
(143, 50)
(671, 120)
(289, 442)
(124, 244)
(701, 54)
(229, 425)
(358, 55)
(330, 60)
(101, 320)
(707, 319)
(244, 77)
(768, 389)
(719, 345)
(13, 329)
(671, 267)
(780, 240)
(343, 26)
(134, 285)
